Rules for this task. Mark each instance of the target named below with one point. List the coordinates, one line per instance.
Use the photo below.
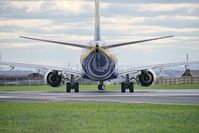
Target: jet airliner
(98, 64)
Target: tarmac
(139, 96)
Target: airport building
(21, 78)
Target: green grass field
(84, 117)
(94, 87)
(97, 118)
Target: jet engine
(54, 78)
(146, 77)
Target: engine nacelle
(146, 77)
(54, 78)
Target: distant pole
(0, 61)
(187, 58)
(0, 57)
(69, 65)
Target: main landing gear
(101, 86)
(127, 85)
(72, 85)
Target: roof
(195, 73)
(187, 73)
(191, 73)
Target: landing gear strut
(101, 86)
(127, 85)
(72, 85)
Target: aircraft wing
(42, 67)
(155, 67)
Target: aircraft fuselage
(99, 64)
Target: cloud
(131, 20)
(149, 29)
(186, 18)
(10, 40)
(24, 22)
(15, 46)
(148, 1)
(166, 7)
(122, 19)
(28, 6)
(70, 7)
(116, 23)
(74, 7)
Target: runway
(139, 96)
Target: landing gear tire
(123, 87)
(76, 87)
(101, 87)
(131, 87)
(68, 87)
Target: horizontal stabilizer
(62, 43)
(134, 42)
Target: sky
(121, 21)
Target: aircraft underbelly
(99, 66)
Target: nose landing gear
(101, 86)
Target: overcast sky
(121, 21)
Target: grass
(98, 118)
(94, 87)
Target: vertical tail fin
(97, 36)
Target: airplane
(99, 64)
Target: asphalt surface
(139, 96)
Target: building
(21, 78)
